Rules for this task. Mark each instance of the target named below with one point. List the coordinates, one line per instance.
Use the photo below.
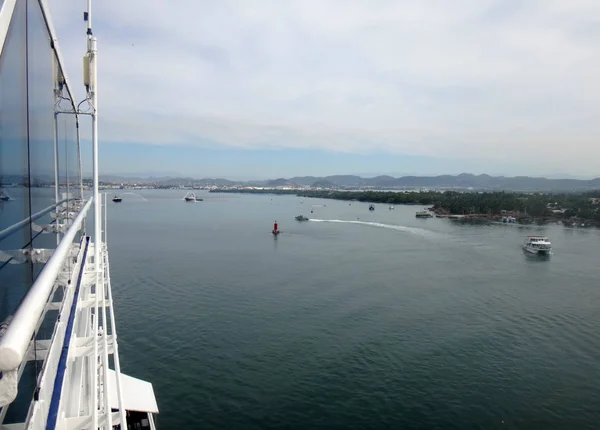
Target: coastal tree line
(538, 205)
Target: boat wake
(135, 194)
(413, 230)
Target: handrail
(18, 225)
(62, 361)
(14, 343)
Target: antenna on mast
(87, 17)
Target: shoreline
(520, 208)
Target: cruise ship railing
(25, 222)
(15, 341)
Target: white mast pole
(92, 90)
(97, 204)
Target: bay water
(355, 319)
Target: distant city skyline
(269, 88)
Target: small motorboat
(301, 218)
(275, 229)
(117, 199)
(391, 207)
(4, 197)
(191, 197)
(371, 207)
(423, 214)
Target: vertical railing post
(56, 169)
(93, 94)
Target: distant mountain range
(462, 181)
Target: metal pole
(97, 203)
(80, 168)
(56, 167)
(92, 55)
(122, 411)
(103, 282)
(79, 158)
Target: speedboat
(4, 197)
(539, 245)
(301, 218)
(423, 214)
(117, 199)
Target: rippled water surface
(355, 320)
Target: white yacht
(539, 245)
(59, 354)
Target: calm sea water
(357, 320)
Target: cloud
(462, 79)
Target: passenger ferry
(539, 245)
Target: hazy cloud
(491, 79)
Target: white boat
(190, 197)
(539, 245)
(391, 207)
(66, 375)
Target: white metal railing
(38, 412)
(15, 341)
(18, 225)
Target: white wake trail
(413, 230)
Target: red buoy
(275, 228)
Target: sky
(260, 89)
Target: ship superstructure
(59, 354)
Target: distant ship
(371, 207)
(301, 218)
(117, 199)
